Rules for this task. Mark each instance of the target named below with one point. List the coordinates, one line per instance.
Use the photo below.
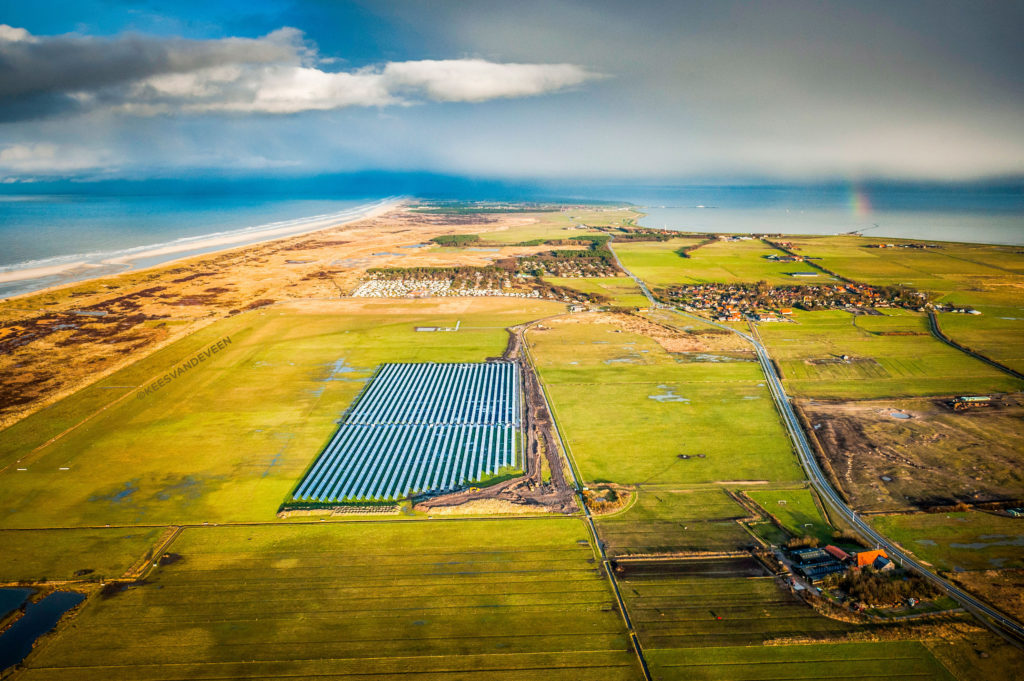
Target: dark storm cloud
(46, 75)
(788, 89)
(277, 73)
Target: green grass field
(893, 355)
(799, 513)
(629, 410)
(656, 262)
(229, 439)
(719, 262)
(671, 521)
(37, 555)
(889, 661)
(997, 333)
(444, 599)
(968, 541)
(622, 290)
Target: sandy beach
(39, 272)
(58, 275)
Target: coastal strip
(44, 275)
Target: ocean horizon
(52, 239)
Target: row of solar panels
(482, 394)
(387, 462)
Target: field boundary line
(638, 649)
(933, 326)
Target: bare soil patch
(671, 338)
(918, 454)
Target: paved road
(828, 493)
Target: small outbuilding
(837, 553)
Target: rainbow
(860, 203)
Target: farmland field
(457, 599)
(230, 439)
(655, 262)
(670, 521)
(659, 265)
(890, 356)
(881, 463)
(796, 510)
(631, 412)
(895, 661)
(699, 611)
(30, 555)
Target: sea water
(963, 215)
(42, 231)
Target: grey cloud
(276, 74)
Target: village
(766, 303)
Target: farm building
(815, 564)
(868, 558)
(837, 553)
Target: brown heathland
(50, 349)
(935, 457)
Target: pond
(39, 618)
(11, 599)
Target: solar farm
(419, 429)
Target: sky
(644, 91)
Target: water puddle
(706, 357)
(899, 415)
(622, 360)
(188, 487)
(339, 370)
(980, 545)
(668, 395)
(39, 618)
(120, 495)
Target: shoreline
(81, 271)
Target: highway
(821, 484)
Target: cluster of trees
(685, 251)
(456, 239)
(884, 588)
